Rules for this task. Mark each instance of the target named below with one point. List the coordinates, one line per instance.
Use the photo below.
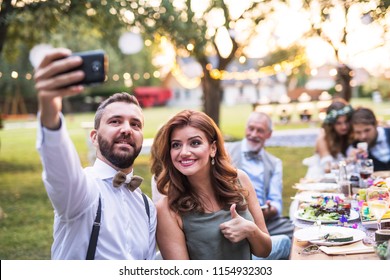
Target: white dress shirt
(381, 149)
(126, 231)
(255, 171)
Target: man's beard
(254, 144)
(373, 142)
(121, 161)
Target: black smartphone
(95, 67)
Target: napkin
(354, 248)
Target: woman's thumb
(233, 211)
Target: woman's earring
(212, 161)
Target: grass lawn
(27, 217)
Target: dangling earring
(212, 161)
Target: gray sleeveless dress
(205, 240)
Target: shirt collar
(381, 135)
(105, 171)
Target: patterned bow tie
(120, 179)
(252, 155)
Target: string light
(14, 74)
(136, 76)
(115, 77)
(126, 76)
(182, 79)
(146, 76)
(191, 83)
(285, 66)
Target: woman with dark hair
(334, 138)
(210, 209)
(336, 135)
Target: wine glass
(366, 168)
(378, 202)
(378, 208)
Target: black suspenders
(96, 228)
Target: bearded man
(99, 213)
(266, 174)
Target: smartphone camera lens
(96, 66)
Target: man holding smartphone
(88, 198)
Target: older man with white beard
(265, 172)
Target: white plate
(352, 216)
(315, 232)
(311, 196)
(319, 187)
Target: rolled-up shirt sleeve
(63, 175)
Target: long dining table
(305, 250)
(298, 253)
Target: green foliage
(77, 25)
(380, 84)
(26, 229)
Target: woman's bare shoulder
(243, 178)
(162, 204)
(165, 214)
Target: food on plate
(325, 208)
(367, 215)
(334, 237)
(329, 235)
(377, 192)
(339, 237)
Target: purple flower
(343, 219)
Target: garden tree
(192, 26)
(326, 24)
(24, 24)
(195, 28)
(78, 25)
(36, 21)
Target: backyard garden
(26, 215)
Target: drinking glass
(335, 170)
(378, 208)
(378, 202)
(366, 168)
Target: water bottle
(344, 184)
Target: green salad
(311, 213)
(325, 208)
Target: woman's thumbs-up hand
(236, 229)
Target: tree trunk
(212, 95)
(5, 10)
(344, 79)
